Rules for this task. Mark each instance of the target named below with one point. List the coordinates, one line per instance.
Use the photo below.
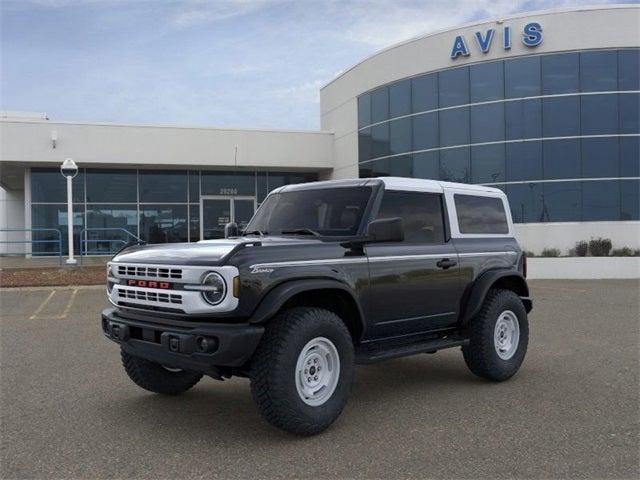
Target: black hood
(207, 252)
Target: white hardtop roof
(394, 183)
(423, 185)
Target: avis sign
(531, 37)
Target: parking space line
(42, 305)
(69, 303)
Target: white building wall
(29, 141)
(11, 217)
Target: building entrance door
(218, 210)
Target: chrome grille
(149, 272)
(148, 296)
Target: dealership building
(543, 105)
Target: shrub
(600, 247)
(636, 252)
(550, 252)
(530, 254)
(622, 252)
(581, 248)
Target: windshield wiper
(254, 232)
(301, 231)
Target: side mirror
(231, 230)
(386, 230)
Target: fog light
(206, 344)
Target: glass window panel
(600, 200)
(630, 156)
(522, 77)
(561, 116)
(487, 81)
(424, 93)
(400, 135)
(54, 217)
(380, 140)
(454, 165)
(487, 123)
(599, 114)
(279, 179)
(478, 214)
(560, 73)
(487, 164)
(425, 131)
(365, 170)
(421, 214)
(562, 202)
(225, 183)
(364, 110)
(600, 157)
(380, 104)
(163, 186)
(454, 127)
(365, 145)
(163, 223)
(400, 98)
(599, 71)
(523, 161)
(629, 69)
(561, 159)
(523, 119)
(525, 202)
(380, 168)
(194, 222)
(49, 186)
(629, 113)
(115, 218)
(630, 200)
(112, 186)
(194, 186)
(453, 86)
(426, 165)
(262, 186)
(401, 166)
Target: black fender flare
(485, 281)
(275, 298)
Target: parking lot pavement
(69, 411)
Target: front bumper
(194, 346)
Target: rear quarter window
(477, 214)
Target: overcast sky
(245, 63)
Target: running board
(366, 354)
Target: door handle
(446, 263)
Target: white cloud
(190, 13)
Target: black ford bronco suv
(326, 275)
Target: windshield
(326, 212)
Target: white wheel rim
(506, 335)
(317, 371)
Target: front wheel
(302, 371)
(158, 378)
(499, 335)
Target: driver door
(413, 289)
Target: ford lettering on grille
(148, 284)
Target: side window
(421, 215)
(481, 214)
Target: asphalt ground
(69, 410)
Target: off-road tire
(156, 378)
(480, 355)
(273, 367)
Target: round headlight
(215, 288)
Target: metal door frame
(232, 206)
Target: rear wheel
(499, 336)
(302, 371)
(158, 378)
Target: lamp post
(69, 169)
